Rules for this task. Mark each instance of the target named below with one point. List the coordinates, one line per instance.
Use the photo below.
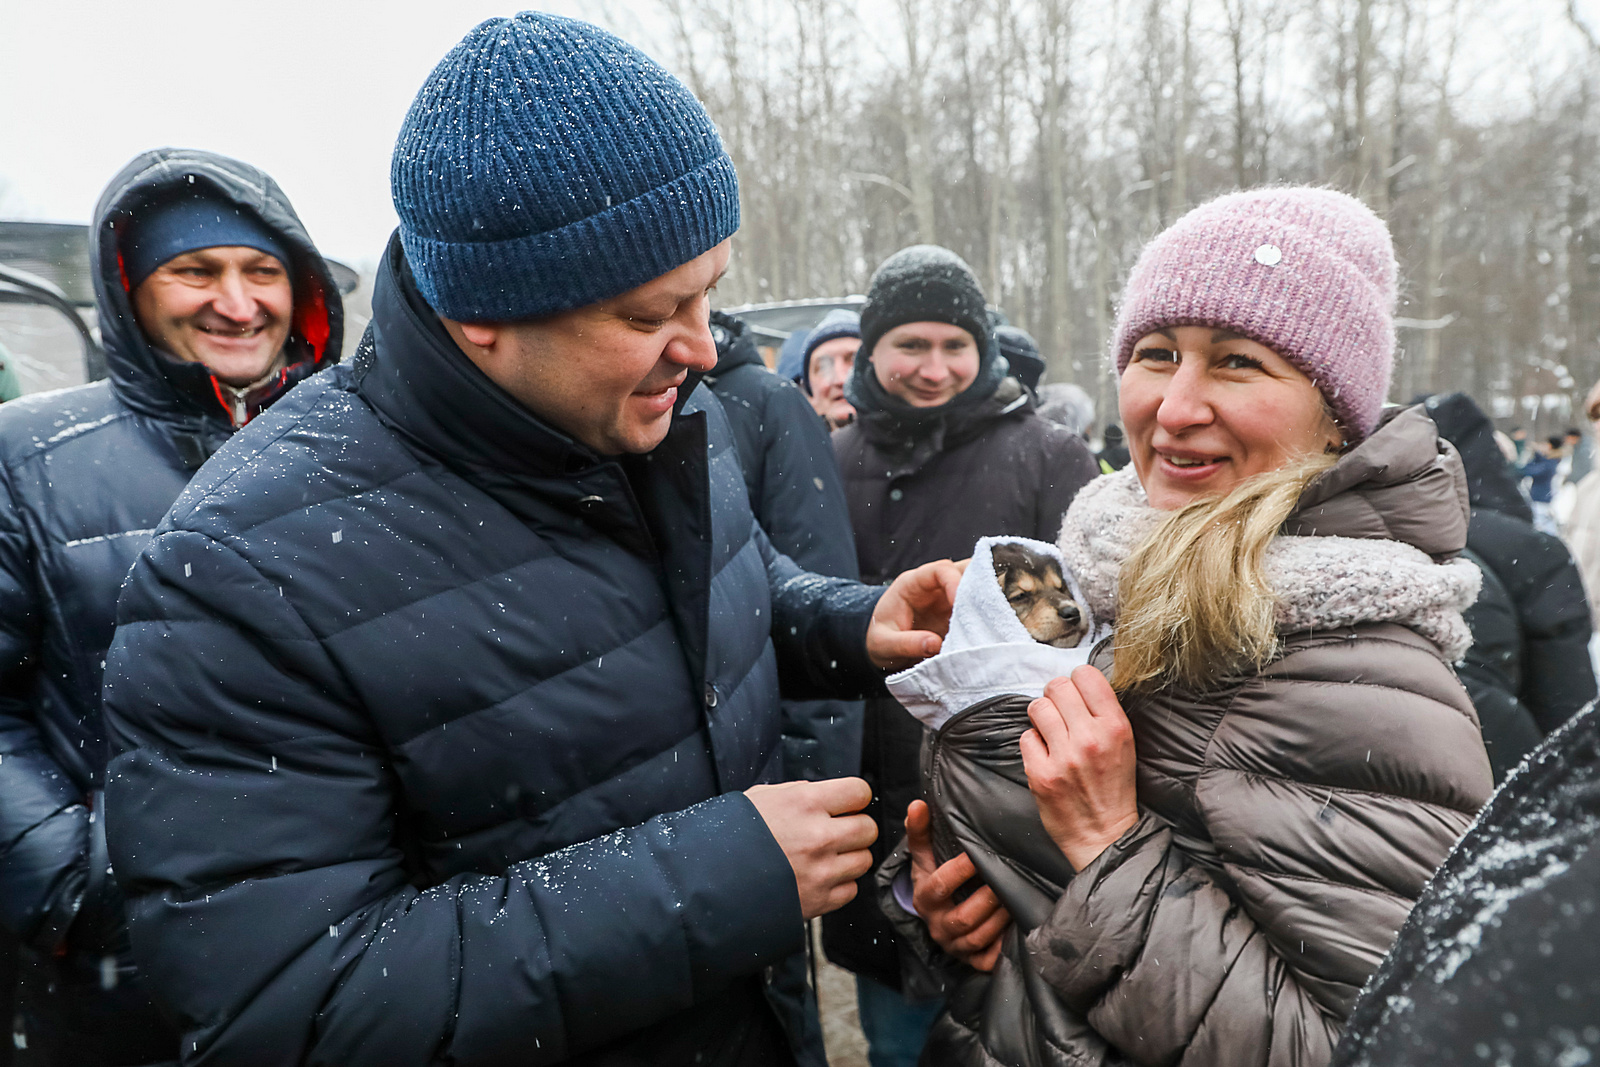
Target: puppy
(1034, 588)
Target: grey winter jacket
(1289, 819)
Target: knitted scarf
(1321, 582)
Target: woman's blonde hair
(1193, 603)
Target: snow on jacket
(1497, 961)
(85, 476)
(921, 491)
(797, 498)
(1289, 818)
(434, 727)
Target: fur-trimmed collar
(1321, 582)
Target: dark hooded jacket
(85, 476)
(462, 713)
(925, 485)
(1528, 669)
(795, 493)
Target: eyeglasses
(832, 368)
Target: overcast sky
(311, 91)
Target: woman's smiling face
(1205, 409)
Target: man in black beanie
(212, 303)
(946, 448)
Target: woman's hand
(1079, 759)
(970, 930)
(912, 617)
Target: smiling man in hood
(212, 302)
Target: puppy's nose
(1067, 611)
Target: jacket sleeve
(46, 827)
(1166, 965)
(1067, 467)
(258, 827)
(1557, 673)
(819, 629)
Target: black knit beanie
(1022, 353)
(924, 283)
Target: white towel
(988, 652)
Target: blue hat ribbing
(840, 322)
(185, 223)
(547, 164)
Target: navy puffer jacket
(433, 724)
(798, 499)
(85, 476)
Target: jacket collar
(909, 445)
(420, 383)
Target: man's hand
(910, 622)
(825, 842)
(1080, 763)
(971, 930)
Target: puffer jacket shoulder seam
(310, 635)
(1211, 740)
(245, 461)
(1307, 640)
(1285, 876)
(396, 609)
(1466, 713)
(50, 444)
(1343, 790)
(517, 694)
(1186, 784)
(1330, 683)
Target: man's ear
(480, 334)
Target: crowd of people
(515, 691)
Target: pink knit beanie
(1310, 273)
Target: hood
(186, 393)
(1404, 483)
(1490, 481)
(987, 652)
(736, 345)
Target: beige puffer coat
(1288, 820)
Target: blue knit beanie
(546, 164)
(840, 322)
(170, 228)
